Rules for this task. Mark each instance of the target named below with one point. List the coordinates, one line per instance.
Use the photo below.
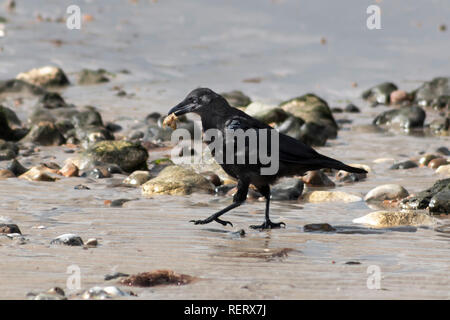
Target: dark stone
(236, 98)
(405, 117)
(46, 134)
(380, 93)
(15, 167)
(313, 109)
(87, 76)
(224, 189)
(408, 164)
(440, 203)
(81, 187)
(440, 125)
(51, 100)
(344, 176)
(317, 178)
(9, 228)
(443, 150)
(318, 227)
(19, 86)
(337, 110)
(113, 127)
(11, 116)
(431, 91)
(115, 276)
(119, 202)
(352, 108)
(287, 189)
(423, 198)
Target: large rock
(432, 91)
(45, 76)
(127, 155)
(405, 117)
(177, 180)
(440, 203)
(380, 93)
(422, 199)
(388, 219)
(311, 108)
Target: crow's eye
(194, 100)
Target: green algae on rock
(176, 180)
(129, 156)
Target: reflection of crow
(295, 158)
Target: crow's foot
(206, 221)
(269, 225)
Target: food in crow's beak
(171, 121)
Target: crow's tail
(331, 163)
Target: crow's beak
(182, 108)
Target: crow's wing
(290, 150)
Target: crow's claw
(222, 222)
(269, 225)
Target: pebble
(398, 96)
(158, 277)
(386, 192)
(68, 239)
(69, 170)
(408, 164)
(9, 228)
(443, 150)
(137, 178)
(5, 174)
(38, 173)
(444, 170)
(436, 163)
(92, 242)
(317, 178)
(102, 293)
(318, 227)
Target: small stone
(69, 170)
(344, 176)
(45, 133)
(408, 164)
(287, 189)
(424, 160)
(45, 76)
(5, 174)
(9, 228)
(37, 174)
(103, 293)
(386, 192)
(158, 277)
(81, 187)
(317, 178)
(352, 108)
(443, 150)
(444, 170)
(137, 178)
(398, 96)
(318, 227)
(436, 163)
(330, 196)
(388, 219)
(68, 239)
(213, 178)
(92, 242)
(115, 276)
(16, 167)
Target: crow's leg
(265, 191)
(238, 199)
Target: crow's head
(199, 101)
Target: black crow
(294, 157)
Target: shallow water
(172, 47)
